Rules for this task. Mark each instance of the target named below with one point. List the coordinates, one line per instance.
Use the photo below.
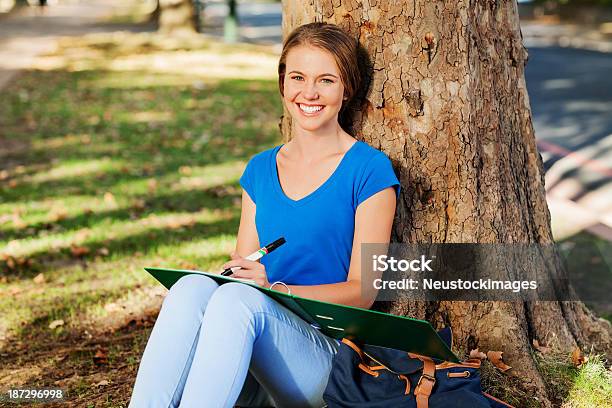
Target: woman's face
(313, 91)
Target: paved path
(570, 91)
(27, 32)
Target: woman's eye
(297, 77)
(327, 80)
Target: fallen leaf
(148, 169)
(15, 291)
(185, 170)
(109, 198)
(93, 120)
(188, 265)
(82, 234)
(56, 323)
(10, 262)
(61, 357)
(19, 223)
(478, 354)
(40, 278)
(58, 215)
(578, 359)
(101, 357)
(152, 185)
(495, 357)
(102, 383)
(23, 261)
(139, 204)
(540, 348)
(79, 251)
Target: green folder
(338, 321)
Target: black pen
(257, 255)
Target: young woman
(326, 193)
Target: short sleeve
(248, 182)
(377, 176)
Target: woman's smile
(310, 110)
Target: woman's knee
(191, 290)
(238, 296)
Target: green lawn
(107, 168)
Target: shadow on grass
(214, 197)
(68, 359)
(146, 242)
(166, 148)
(68, 139)
(228, 125)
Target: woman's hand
(252, 270)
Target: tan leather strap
(403, 377)
(378, 367)
(471, 363)
(354, 347)
(462, 374)
(426, 382)
(368, 370)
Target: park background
(121, 147)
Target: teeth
(310, 109)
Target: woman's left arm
(373, 222)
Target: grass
(109, 164)
(588, 386)
(592, 386)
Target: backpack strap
(373, 370)
(365, 368)
(426, 382)
(353, 346)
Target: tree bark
(176, 17)
(447, 102)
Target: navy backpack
(379, 377)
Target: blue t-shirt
(319, 227)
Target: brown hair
(339, 44)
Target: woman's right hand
(253, 270)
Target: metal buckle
(427, 377)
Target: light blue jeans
(220, 346)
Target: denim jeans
(220, 346)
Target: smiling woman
(326, 193)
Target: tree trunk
(176, 17)
(447, 102)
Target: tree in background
(447, 102)
(176, 17)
